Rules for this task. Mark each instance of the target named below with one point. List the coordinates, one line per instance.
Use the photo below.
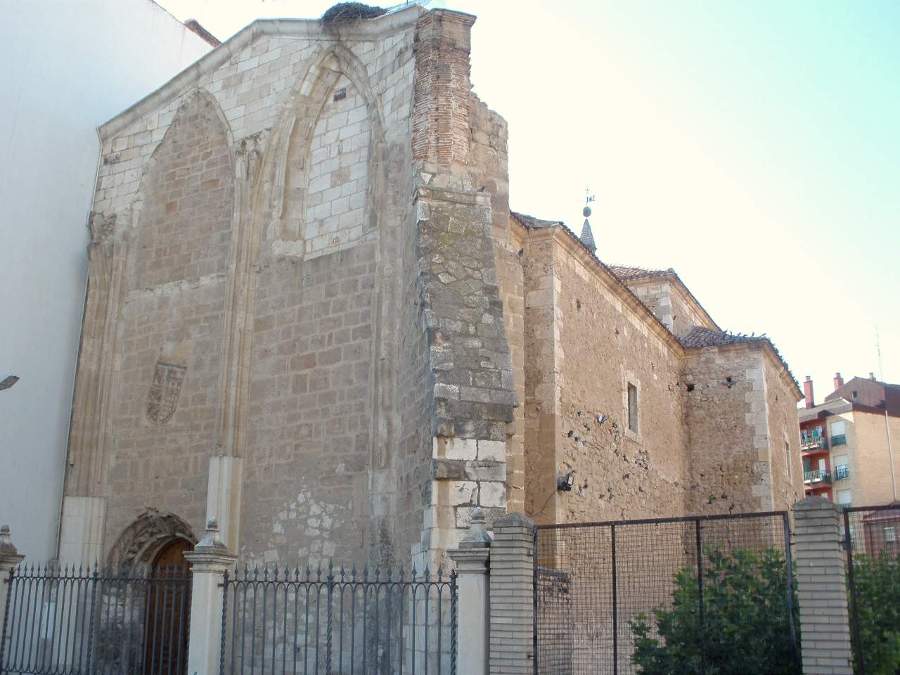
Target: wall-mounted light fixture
(8, 381)
(565, 481)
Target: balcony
(841, 471)
(809, 444)
(816, 476)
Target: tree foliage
(745, 625)
(876, 594)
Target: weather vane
(587, 235)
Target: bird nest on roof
(351, 11)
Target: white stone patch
(492, 494)
(459, 448)
(463, 492)
(492, 451)
(337, 172)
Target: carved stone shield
(164, 392)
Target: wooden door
(168, 611)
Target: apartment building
(848, 442)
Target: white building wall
(65, 68)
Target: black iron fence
(873, 585)
(79, 620)
(664, 595)
(339, 621)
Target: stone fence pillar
(512, 596)
(9, 559)
(209, 560)
(822, 589)
(471, 558)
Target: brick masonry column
(209, 560)
(9, 559)
(471, 558)
(822, 588)
(512, 595)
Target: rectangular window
(890, 534)
(632, 408)
(844, 497)
(841, 467)
(839, 433)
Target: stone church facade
(312, 316)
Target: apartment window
(890, 534)
(839, 433)
(841, 467)
(632, 408)
(844, 497)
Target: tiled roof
(700, 337)
(532, 222)
(627, 272)
(706, 337)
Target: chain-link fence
(873, 586)
(608, 595)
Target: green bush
(745, 623)
(876, 581)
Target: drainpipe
(887, 431)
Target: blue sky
(752, 146)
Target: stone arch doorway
(149, 554)
(167, 610)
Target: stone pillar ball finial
(476, 534)
(210, 538)
(8, 550)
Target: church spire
(587, 236)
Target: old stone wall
(670, 303)
(488, 171)
(460, 178)
(685, 313)
(542, 421)
(604, 345)
(303, 257)
(657, 295)
(167, 343)
(728, 435)
(784, 441)
(509, 247)
(249, 297)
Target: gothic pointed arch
(185, 203)
(328, 158)
(140, 543)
